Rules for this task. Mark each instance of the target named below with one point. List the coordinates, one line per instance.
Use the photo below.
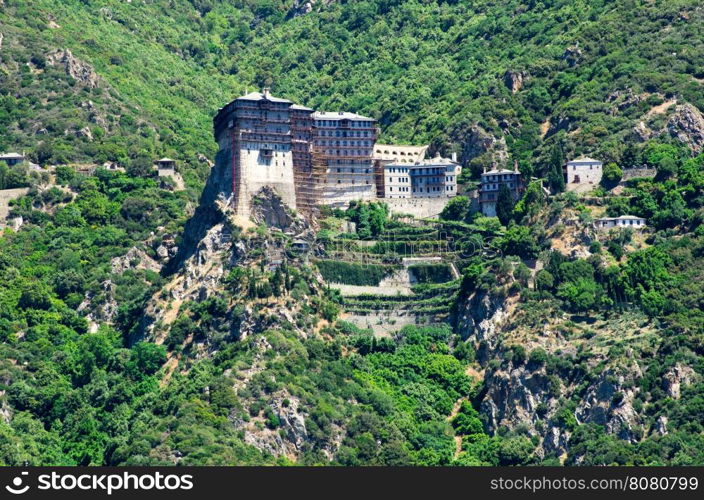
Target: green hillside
(559, 345)
(428, 70)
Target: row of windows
(622, 223)
(353, 171)
(257, 146)
(344, 133)
(336, 123)
(350, 182)
(347, 152)
(352, 162)
(495, 187)
(343, 143)
(505, 177)
(432, 189)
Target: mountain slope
(137, 327)
(427, 70)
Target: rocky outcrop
(102, 305)
(687, 125)
(623, 99)
(481, 317)
(135, 258)
(268, 208)
(642, 132)
(514, 80)
(661, 425)
(479, 145)
(609, 402)
(5, 410)
(303, 7)
(558, 124)
(573, 55)
(76, 69)
(204, 159)
(513, 396)
(84, 133)
(675, 378)
(287, 438)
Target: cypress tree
(504, 204)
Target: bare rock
(268, 208)
(476, 143)
(572, 55)
(5, 411)
(609, 403)
(292, 422)
(558, 124)
(84, 133)
(687, 125)
(303, 7)
(162, 252)
(481, 318)
(76, 69)
(135, 258)
(514, 80)
(642, 132)
(675, 378)
(661, 425)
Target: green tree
(504, 204)
(556, 176)
(612, 175)
(456, 209)
(518, 240)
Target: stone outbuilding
(583, 174)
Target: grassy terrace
(428, 299)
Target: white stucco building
(624, 221)
(583, 174)
(435, 178)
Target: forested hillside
(584, 73)
(129, 337)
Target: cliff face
(573, 381)
(212, 210)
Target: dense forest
(86, 376)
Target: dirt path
(660, 109)
(544, 128)
(170, 367)
(476, 376)
(453, 414)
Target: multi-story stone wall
(254, 135)
(312, 158)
